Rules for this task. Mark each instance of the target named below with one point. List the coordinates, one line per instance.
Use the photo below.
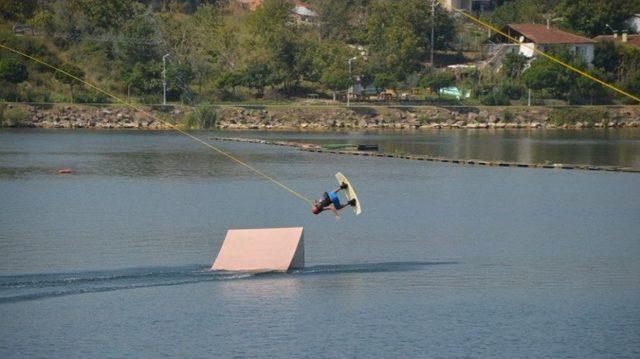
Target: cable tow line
(172, 126)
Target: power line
(545, 55)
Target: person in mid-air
(331, 201)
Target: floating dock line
(310, 147)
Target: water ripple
(18, 288)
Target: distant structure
(23, 29)
(541, 37)
(631, 40)
(469, 5)
(634, 23)
(302, 14)
(457, 4)
(261, 250)
(249, 4)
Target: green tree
(591, 17)
(229, 79)
(145, 79)
(521, 11)
(606, 56)
(587, 92)
(179, 77)
(556, 80)
(257, 75)
(20, 10)
(102, 14)
(63, 77)
(335, 78)
(13, 70)
(545, 75)
(398, 35)
(632, 85)
(514, 64)
(384, 80)
(274, 36)
(143, 46)
(438, 80)
(334, 16)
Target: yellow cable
(544, 54)
(175, 128)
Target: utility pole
(164, 80)
(349, 62)
(433, 21)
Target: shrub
(507, 116)
(202, 117)
(8, 91)
(495, 98)
(14, 116)
(512, 91)
(424, 119)
(13, 70)
(570, 116)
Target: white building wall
(585, 50)
(527, 49)
(634, 24)
(459, 4)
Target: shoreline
(304, 118)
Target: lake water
(446, 260)
(606, 147)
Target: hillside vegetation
(219, 51)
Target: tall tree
(591, 17)
(398, 35)
(273, 32)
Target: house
(631, 40)
(302, 14)
(533, 37)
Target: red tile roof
(540, 34)
(633, 40)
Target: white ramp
(261, 250)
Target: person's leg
(342, 186)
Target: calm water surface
(445, 261)
(607, 147)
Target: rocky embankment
(327, 118)
(80, 117)
(427, 118)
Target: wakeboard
(350, 192)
